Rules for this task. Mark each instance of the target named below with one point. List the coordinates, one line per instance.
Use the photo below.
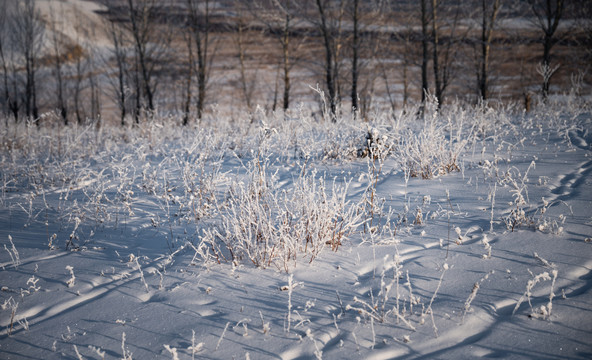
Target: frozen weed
(487, 245)
(100, 353)
(376, 152)
(24, 324)
(13, 252)
(429, 310)
(491, 197)
(376, 308)
(78, 355)
(271, 226)
(378, 144)
(125, 353)
(72, 280)
(195, 347)
(519, 190)
(141, 275)
(430, 152)
(544, 262)
(172, 351)
(290, 287)
(222, 336)
(73, 236)
(13, 305)
(547, 223)
(265, 327)
(473, 294)
(543, 311)
(318, 353)
(32, 283)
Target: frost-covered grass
(290, 236)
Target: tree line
(178, 56)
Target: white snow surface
(121, 277)
(77, 21)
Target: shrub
(267, 225)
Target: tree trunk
(246, 85)
(435, 59)
(355, 49)
(329, 79)
(425, 56)
(188, 82)
(201, 38)
(487, 26)
(286, 58)
(57, 40)
(548, 22)
(60, 86)
(139, 32)
(138, 91)
(95, 99)
(4, 76)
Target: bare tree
(280, 20)
(80, 70)
(285, 43)
(330, 20)
(585, 25)
(435, 57)
(400, 44)
(4, 30)
(424, 54)
(29, 35)
(355, 53)
(368, 40)
(151, 42)
(444, 52)
(10, 64)
(406, 62)
(95, 98)
(81, 55)
(548, 13)
(58, 41)
(139, 15)
(120, 85)
(137, 83)
(489, 12)
(199, 25)
(247, 83)
(188, 77)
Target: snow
(77, 21)
(442, 267)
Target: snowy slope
(116, 243)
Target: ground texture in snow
(140, 242)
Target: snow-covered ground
(465, 235)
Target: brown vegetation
(185, 56)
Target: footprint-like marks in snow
(569, 184)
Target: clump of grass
(13, 252)
(269, 226)
(519, 190)
(172, 351)
(542, 311)
(473, 294)
(13, 305)
(72, 280)
(432, 151)
(378, 308)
